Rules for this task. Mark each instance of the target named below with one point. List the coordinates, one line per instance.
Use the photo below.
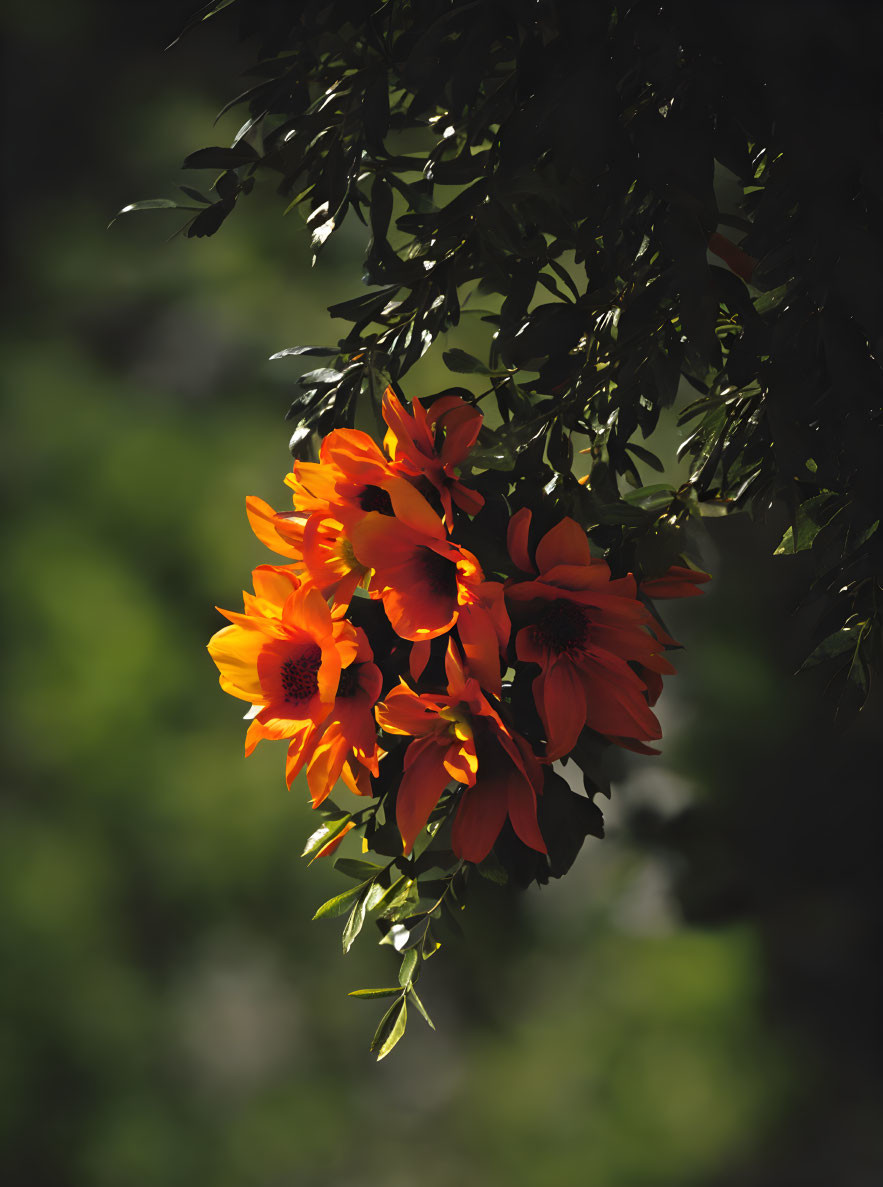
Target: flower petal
(406, 712)
(235, 650)
(479, 818)
(423, 781)
(521, 804)
(516, 540)
(419, 658)
(475, 627)
(677, 582)
(565, 544)
(262, 519)
(562, 706)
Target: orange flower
(461, 737)
(411, 443)
(319, 546)
(352, 475)
(281, 532)
(584, 629)
(428, 584)
(306, 675)
(345, 745)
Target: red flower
(460, 737)
(676, 582)
(584, 629)
(428, 584)
(412, 444)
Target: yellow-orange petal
(406, 712)
(262, 519)
(461, 761)
(235, 650)
(308, 610)
(273, 585)
(411, 508)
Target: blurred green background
(696, 1003)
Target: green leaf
(190, 192)
(324, 834)
(153, 204)
(403, 890)
(365, 307)
(496, 456)
(221, 158)
(412, 994)
(354, 867)
(354, 924)
(491, 869)
(393, 991)
(650, 498)
(463, 363)
(397, 937)
(391, 1028)
(313, 351)
(409, 964)
(338, 904)
(810, 518)
(838, 643)
(156, 204)
(645, 456)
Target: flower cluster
(440, 682)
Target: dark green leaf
(365, 307)
(566, 819)
(491, 869)
(645, 456)
(196, 196)
(463, 363)
(839, 643)
(356, 868)
(811, 517)
(222, 158)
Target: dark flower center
(300, 677)
(562, 626)
(349, 681)
(440, 573)
(375, 498)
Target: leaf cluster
(415, 900)
(558, 171)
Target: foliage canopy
(575, 178)
(560, 171)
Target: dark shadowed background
(696, 1003)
